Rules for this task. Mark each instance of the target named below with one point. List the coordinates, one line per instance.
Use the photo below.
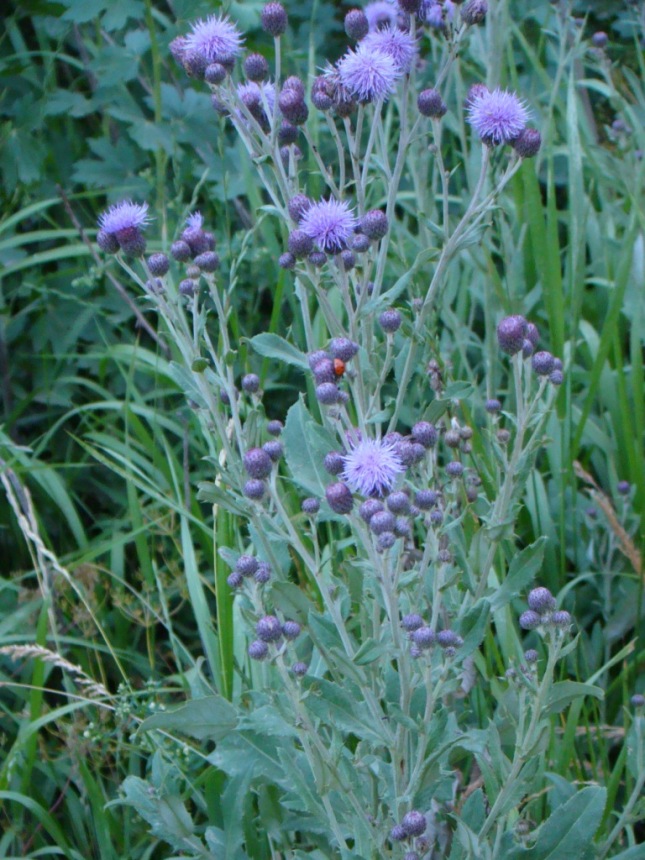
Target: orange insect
(339, 367)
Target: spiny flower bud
(368, 508)
(390, 320)
(263, 573)
(360, 243)
(511, 333)
(298, 205)
(449, 639)
(385, 540)
(343, 348)
(274, 449)
(256, 67)
(414, 823)
(356, 24)
(493, 406)
(293, 107)
(339, 498)
(246, 565)
(258, 650)
(299, 669)
(474, 12)
(334, 462)
(600, 39)
(541, 600)
(398, 833)
(561, 618)
(423, 637)
(425, 433)
(274, 19)
(399, 502)
(291, 630)
(207, 262)
(158, 265)
(310, 506)
(347, 260)
(542, 363)
(374, 224)
(411, 622)
(531, 656)
(300, 243)
(234, 580)
(430, 103)
(254, 489)
(383, 521)
(529, 620)
(425, 499)
(328, 393)
(287, 134)
(268, 629)
(286, 260)
(251, 383)
(527, 144)
(274, 427)
(257, 463)
(180, 251)
(215, 73)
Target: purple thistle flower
(125, 215)
(195, 221)
(431, 12)
(367, 73)
(381, 14)
(398, 44)
(213, 38)
(372, 466)
(330, 223)
(498, 116)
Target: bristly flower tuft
(396, 43)
(330, 223)
(498, 116)
(380, 14)
(125, 215)
(214, 38)
(367, 73)
(372, 467)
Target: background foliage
(94, 424)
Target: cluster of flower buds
(258, 464)
(424, 638)
(412, 825)
(272, 633)
(249, 568)
(543, 614)
(515, 335)
(329, 366)
(329, 227)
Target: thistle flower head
(498, 116)
(372, 467)
(214, 38)
(125, 215)
(330, 223)
(381, 14)
(398, 44)
(367, 73)
(195, 221)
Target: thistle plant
(398, 662)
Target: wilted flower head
(396, 43)
(372, 466)
(214, 38)
(367, 73)
(125, 215)
(381, 14)
(330, 223)
(498, 116)
(435, 14)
